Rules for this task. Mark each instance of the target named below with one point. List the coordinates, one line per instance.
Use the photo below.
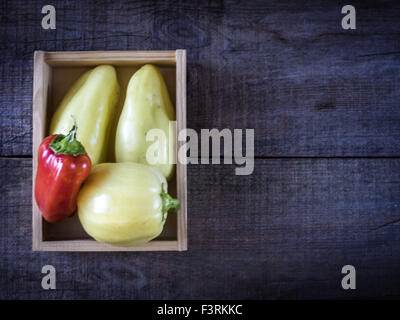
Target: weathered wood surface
(284, 232)
(285, 68)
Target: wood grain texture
(285, 68)
(41, 91)
(284, 232)
(116, 58)
(181, 171)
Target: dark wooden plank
(283, 232)
(284, 68)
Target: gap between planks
(16, 157)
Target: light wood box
(54, 73)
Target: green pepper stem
(68, 144)
(168, 203)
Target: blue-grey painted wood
(284, 232)
(285, 68)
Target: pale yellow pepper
(92, 100)
(124, 204)
(147, 106)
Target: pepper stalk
(168, 203)
(67, 144)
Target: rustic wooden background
(324, 103)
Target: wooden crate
(54, 72)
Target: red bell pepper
(63, 165)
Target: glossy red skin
(58, 180)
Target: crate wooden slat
(46, 65)
(181, 124)
(92, 58)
